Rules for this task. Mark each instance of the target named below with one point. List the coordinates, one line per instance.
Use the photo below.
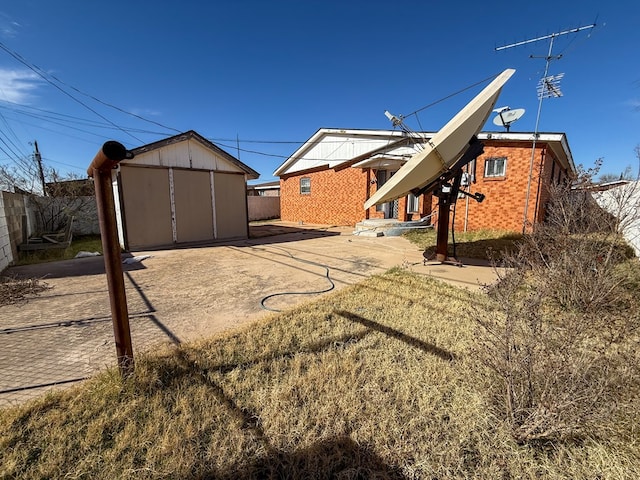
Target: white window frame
(493, 172)
(413, 203)
(305, 186)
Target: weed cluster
(563, 334)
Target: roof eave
(322, 132)
(250, 173)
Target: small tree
(63, 197)
(566, 316)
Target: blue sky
(266, 75)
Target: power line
(10, 130)
(452, 95)
(38, 72)
(107, 104)
(82, 169)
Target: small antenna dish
(506, 116)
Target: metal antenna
(398, 121)
(548, 87)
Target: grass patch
(375, 381)
(483, 244)
(86, 243)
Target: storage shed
(179, 191)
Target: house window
(495, 167)
(413, 204)
(305, 186)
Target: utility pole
(38, 159)
(548, 87)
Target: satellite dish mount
(447, 189)
(441, 161)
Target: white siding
(624, 203)
(335, 149)
(185, 154)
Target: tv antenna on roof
(506, 116)
(549, 86)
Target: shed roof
(193, 135)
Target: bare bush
(566, 320)
(54, 203)
(15, 290)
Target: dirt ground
(65, 334)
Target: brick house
(328, 179)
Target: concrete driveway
(65, 334)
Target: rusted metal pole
(100, 169)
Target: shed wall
(230, 206)
(147, 207)
(193, 205)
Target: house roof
(193, 135)
(265, 185)
(335, 148)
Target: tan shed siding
(230, 205)
(194, 210)
(336, 198)
(147, 207)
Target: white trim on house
(332, 147)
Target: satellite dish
(446, 146)
(506, 117)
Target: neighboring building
(622, 200)
(266, 189)
(328, 179)
(263, 200)
(71, 188)
(181, 190)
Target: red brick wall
(505, 197)
(559, 175)
(336, 198)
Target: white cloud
(8, 27)
(17, 85)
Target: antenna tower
(549, 86)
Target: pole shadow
(391, 332)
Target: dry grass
(486, 244)
(374, 381)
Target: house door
(390, 209)
(393, 209)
